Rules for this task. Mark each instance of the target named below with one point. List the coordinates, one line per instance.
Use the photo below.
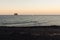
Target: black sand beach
(30, 33)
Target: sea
(29, 20)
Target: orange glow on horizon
(23, 12)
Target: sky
(30, 7)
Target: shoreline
(31, 26)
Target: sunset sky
(30, 7)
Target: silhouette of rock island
(15, 13)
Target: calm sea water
(29, 20)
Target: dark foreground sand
(30, 33)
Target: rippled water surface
(29, 20)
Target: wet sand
(30, 33)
